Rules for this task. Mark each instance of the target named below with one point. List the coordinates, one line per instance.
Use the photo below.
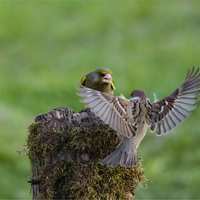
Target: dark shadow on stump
(65, 148)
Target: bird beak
(107, 78)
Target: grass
(46, 48)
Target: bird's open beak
(107, 78)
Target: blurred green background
(47, 46)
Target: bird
(100, 79)
(131, 118)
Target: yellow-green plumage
(100, 79)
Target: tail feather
(126, 156)
(113, 159)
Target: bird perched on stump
(100, 79)
(131, 118)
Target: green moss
(70, 180)
(42, 141)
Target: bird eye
(101, 74)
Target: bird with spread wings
(131, 118)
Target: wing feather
(110, 109)
(91, 98)
(167, 125)
(95, 105)
(172, 123)
(102, 109)
(105, 113)
(176, 107)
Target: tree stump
(65, 148)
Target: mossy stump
(65, 148)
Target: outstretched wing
(175, 108)
(110, 109)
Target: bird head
(104, 76)
(138, 95)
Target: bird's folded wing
(175, 108)
(112, 84)
(110, 109)
(83, 80)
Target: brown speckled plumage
(131, 118)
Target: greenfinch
(131, 118)
(100, 79)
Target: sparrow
(100, 79)
(131, 118)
